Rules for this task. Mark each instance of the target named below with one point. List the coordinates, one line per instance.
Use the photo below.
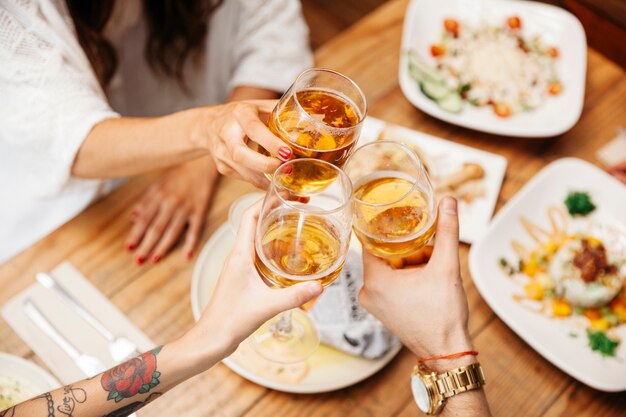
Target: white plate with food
(472, 176)
(552, 266)
(21, 380)
(328, 369)
(508, 67)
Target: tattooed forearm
(136, 376)
(50, 402)
(71, 397)
(9, 412)
(131, 408)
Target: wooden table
(156, 298)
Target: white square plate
(445, 157)
(551, 337)
(423, 25)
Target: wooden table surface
(156, 297)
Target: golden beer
(296, 248)
(396, 229)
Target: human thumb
(294, 296)
(447, 239)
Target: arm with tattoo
(120, 390)
(127, 387)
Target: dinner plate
(32, 379)
(445, 158)
(423, 25)
(561, 341)
(326, 370)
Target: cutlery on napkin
(77, 329)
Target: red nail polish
(285, 152)
(189, 254)
(130, 247)
(140, 260)
(134, 214)
(156, 258)
(303, 200)
(288, 169)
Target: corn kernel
(561, 308)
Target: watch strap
(459, 380)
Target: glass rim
(289, 203)
(411, 153)
(340, 129)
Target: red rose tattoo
(136, 376)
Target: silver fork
(90, 365)
(120, 347)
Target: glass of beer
(303, 234)
(395, 209)
(320, 117)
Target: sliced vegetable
(423, 72)
(600, 342)
(452, 103)
(578, 202)
(434, 91)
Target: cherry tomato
(437, 50)
(451, 26)
(553, 52)
(514, 22)
(502, 110)
(555, 88)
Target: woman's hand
(425, 307)
(241, 301)
(228, 127)
(179, 199)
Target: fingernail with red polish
(156, 258)
(189, 254)
(285, 152)
(288, 169)
(140, 260)
(130, 247)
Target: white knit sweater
(50, 98)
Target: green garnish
(572, 335)
(578, 202)
(600, 342)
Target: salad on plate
(488, 65)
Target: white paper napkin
(69, 324)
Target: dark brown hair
(176, 30)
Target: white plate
(423, 25)
(445, 157)
(329, 369)
(549, 336)
(30, 376)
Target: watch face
(420, 393)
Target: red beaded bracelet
(451, 356)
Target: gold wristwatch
(431, 390)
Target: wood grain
(156, 297)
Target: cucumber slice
(426, 73)
(434, 91)
(452, 103)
